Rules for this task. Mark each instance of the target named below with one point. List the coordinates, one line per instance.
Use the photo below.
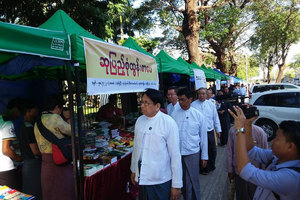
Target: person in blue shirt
(281, 179)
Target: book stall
(107, 147)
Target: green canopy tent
(25, 51)
(34, 41)
(170, 65)
(220, 76)
(130, 43)
(193, 66)
(215, 74)
(210, 76)
(61, 21)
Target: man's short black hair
(184, 91)
(291, 131)
(155, 96)
(175, 88)
(52, 101)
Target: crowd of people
(33, 171)
(172, 147)
(171, 150)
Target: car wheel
(269, 127)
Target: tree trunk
(281, 72)
(221, 60)
(268, 74)
(233, 67)
(190, 31)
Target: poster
(218, 85)
(115, 69)
(200, 79)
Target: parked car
(267, 87)
(275, 107)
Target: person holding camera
(281, 179)
(243, 189)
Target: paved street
(214, 185)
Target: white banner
(200, 79)
(218, 84)
(115, 69)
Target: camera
(249, 112)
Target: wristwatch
(240, 130)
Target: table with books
(107, 158)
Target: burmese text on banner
(115, 69)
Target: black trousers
(212, 153)
(12, 179)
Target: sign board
(115, 69)
(218, 85)
(200, 79)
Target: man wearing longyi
(156, 159)
(281, 179)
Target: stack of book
(7, 193)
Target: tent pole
(71, 108)
(79, 126)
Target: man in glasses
(173, 99)
(156, 160)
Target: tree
(296, 63)
(278, 27)
(252, 65)
(144, 42)
(102, 18)
(218, 23)
(222, 28)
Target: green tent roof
(34, 41)
(170, 65)
(207, 73)
(130, 43)
(60, 21)
(193, 66)
(217, 75)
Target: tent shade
(170, 65)
(34, 41)
(60, 21)
(130, 43)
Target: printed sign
(200, 79)
(57, 44)
(115, 69)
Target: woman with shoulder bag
(57, 180)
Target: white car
(275, 107)
(258, 88)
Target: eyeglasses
(145, 103)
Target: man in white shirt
(173, 98)
(192, 132)
(156, 159)
(208, 109)
(8, 173)
(243, 91)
